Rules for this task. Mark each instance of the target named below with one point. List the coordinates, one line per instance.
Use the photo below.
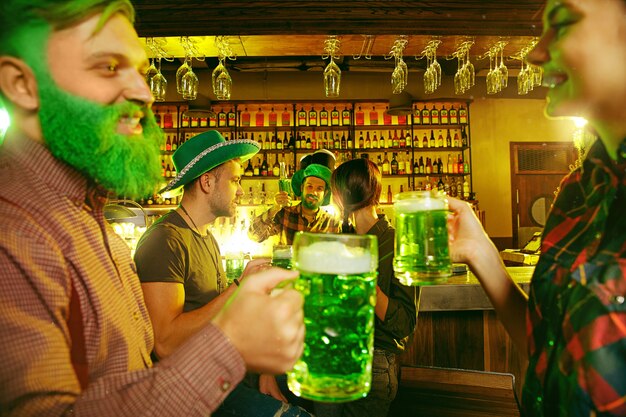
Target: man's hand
(267, 330)
(281, 199)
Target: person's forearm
(382, 302)
(507, 298)
(187, 324)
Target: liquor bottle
(323, 117)
(368, 141)
(431, 142)
(386, 167)
(373, 116)
(272, 118)
(301, 117)
(212, 119)
(440, 141)
(465, 166)
(286, 141)
(221, 118)
(312, 117)
(345, 116)
(454, 119)
(285, 118)
(168, 121)
(256, 169)
(416, 166)
(395, 142)
(439, 165)
(386, 117)
(389, 195)
(425, 116)
(425, 141)
(449, 169)
(184, 120)
(194, 122)
(389, 142)
(308, 142)
(444, 116)
(463, 137)
(434, 116)
(259, 118)
(379, 164)
(466, 189)
(245, 118)
(402, 140)
(276, 168)
(440, 185)
(279, 142)
(361, 142)
(334, 117)
(417, 116)
(337, 143)
(400, 165)
(460, 164)
(350, 144)
(394, 164)
(231, 117)
(455, 142)
(408, 140)
(435, 167)
(264, 166)
(168, 171)
(402, 119)
(292, 141)
(168, 144)
(374, 141)
(462, 115)
(428, 169)
(422, 166)
(204, 121)
(249, 172)
(174, 142)
(408, 164)
(448, 139)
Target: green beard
(84, 134)
(311, 206)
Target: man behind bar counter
(74, 330)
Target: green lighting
(5, 121)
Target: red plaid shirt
(51, 242)
(288, 221)
(577, 304)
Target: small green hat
(204, 152)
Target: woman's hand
(467, 237)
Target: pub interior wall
(496, 121)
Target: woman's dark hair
(356, 184)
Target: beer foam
(334, 258)
(426, 204)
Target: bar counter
(458, 328)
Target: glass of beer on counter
(422, 254)
(281, 256)
(234, 265)
(338, 282)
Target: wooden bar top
(463, 292)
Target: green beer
(284, 184)
(338, 283)
(422, 254)
(281, 256)
(234, 266)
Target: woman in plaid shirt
(573, 322)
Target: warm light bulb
(579, 122)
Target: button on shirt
(54, 239)
(577, 315)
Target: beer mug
(281, 256)
(338, 282)
(422, 254)
(234, 266)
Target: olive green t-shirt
(169, 251)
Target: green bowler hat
(204, 152)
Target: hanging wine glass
(158, 84)
(332, 79)
(182, 70)
(189, 82)
(504, 72)
(221, 81)
(151, 71)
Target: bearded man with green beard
(75, 335)
(311, 183)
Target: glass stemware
(182, 70)
(332, 79)
(158, 84)
(151, 71)
(221, 82)
(189, 83)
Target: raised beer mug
(422, 254)
(338, 282)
